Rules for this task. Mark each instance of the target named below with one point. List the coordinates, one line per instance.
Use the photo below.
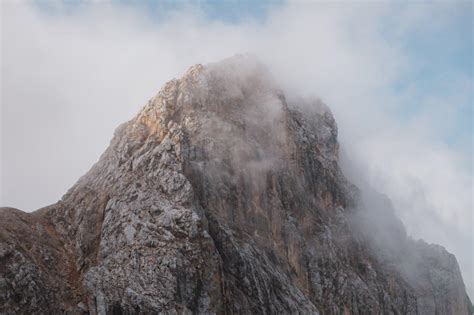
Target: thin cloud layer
(70, 76)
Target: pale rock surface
(221, 197)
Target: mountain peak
(220, 197)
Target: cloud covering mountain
(71, 74)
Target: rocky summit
(222, 196)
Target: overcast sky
(399, 79)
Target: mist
(70, 76)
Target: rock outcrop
(221, 197)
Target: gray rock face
(221, 197)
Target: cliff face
(223, 197)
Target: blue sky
(229, 11)
(441, 54)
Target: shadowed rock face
(221, 197)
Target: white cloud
(69, 77)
